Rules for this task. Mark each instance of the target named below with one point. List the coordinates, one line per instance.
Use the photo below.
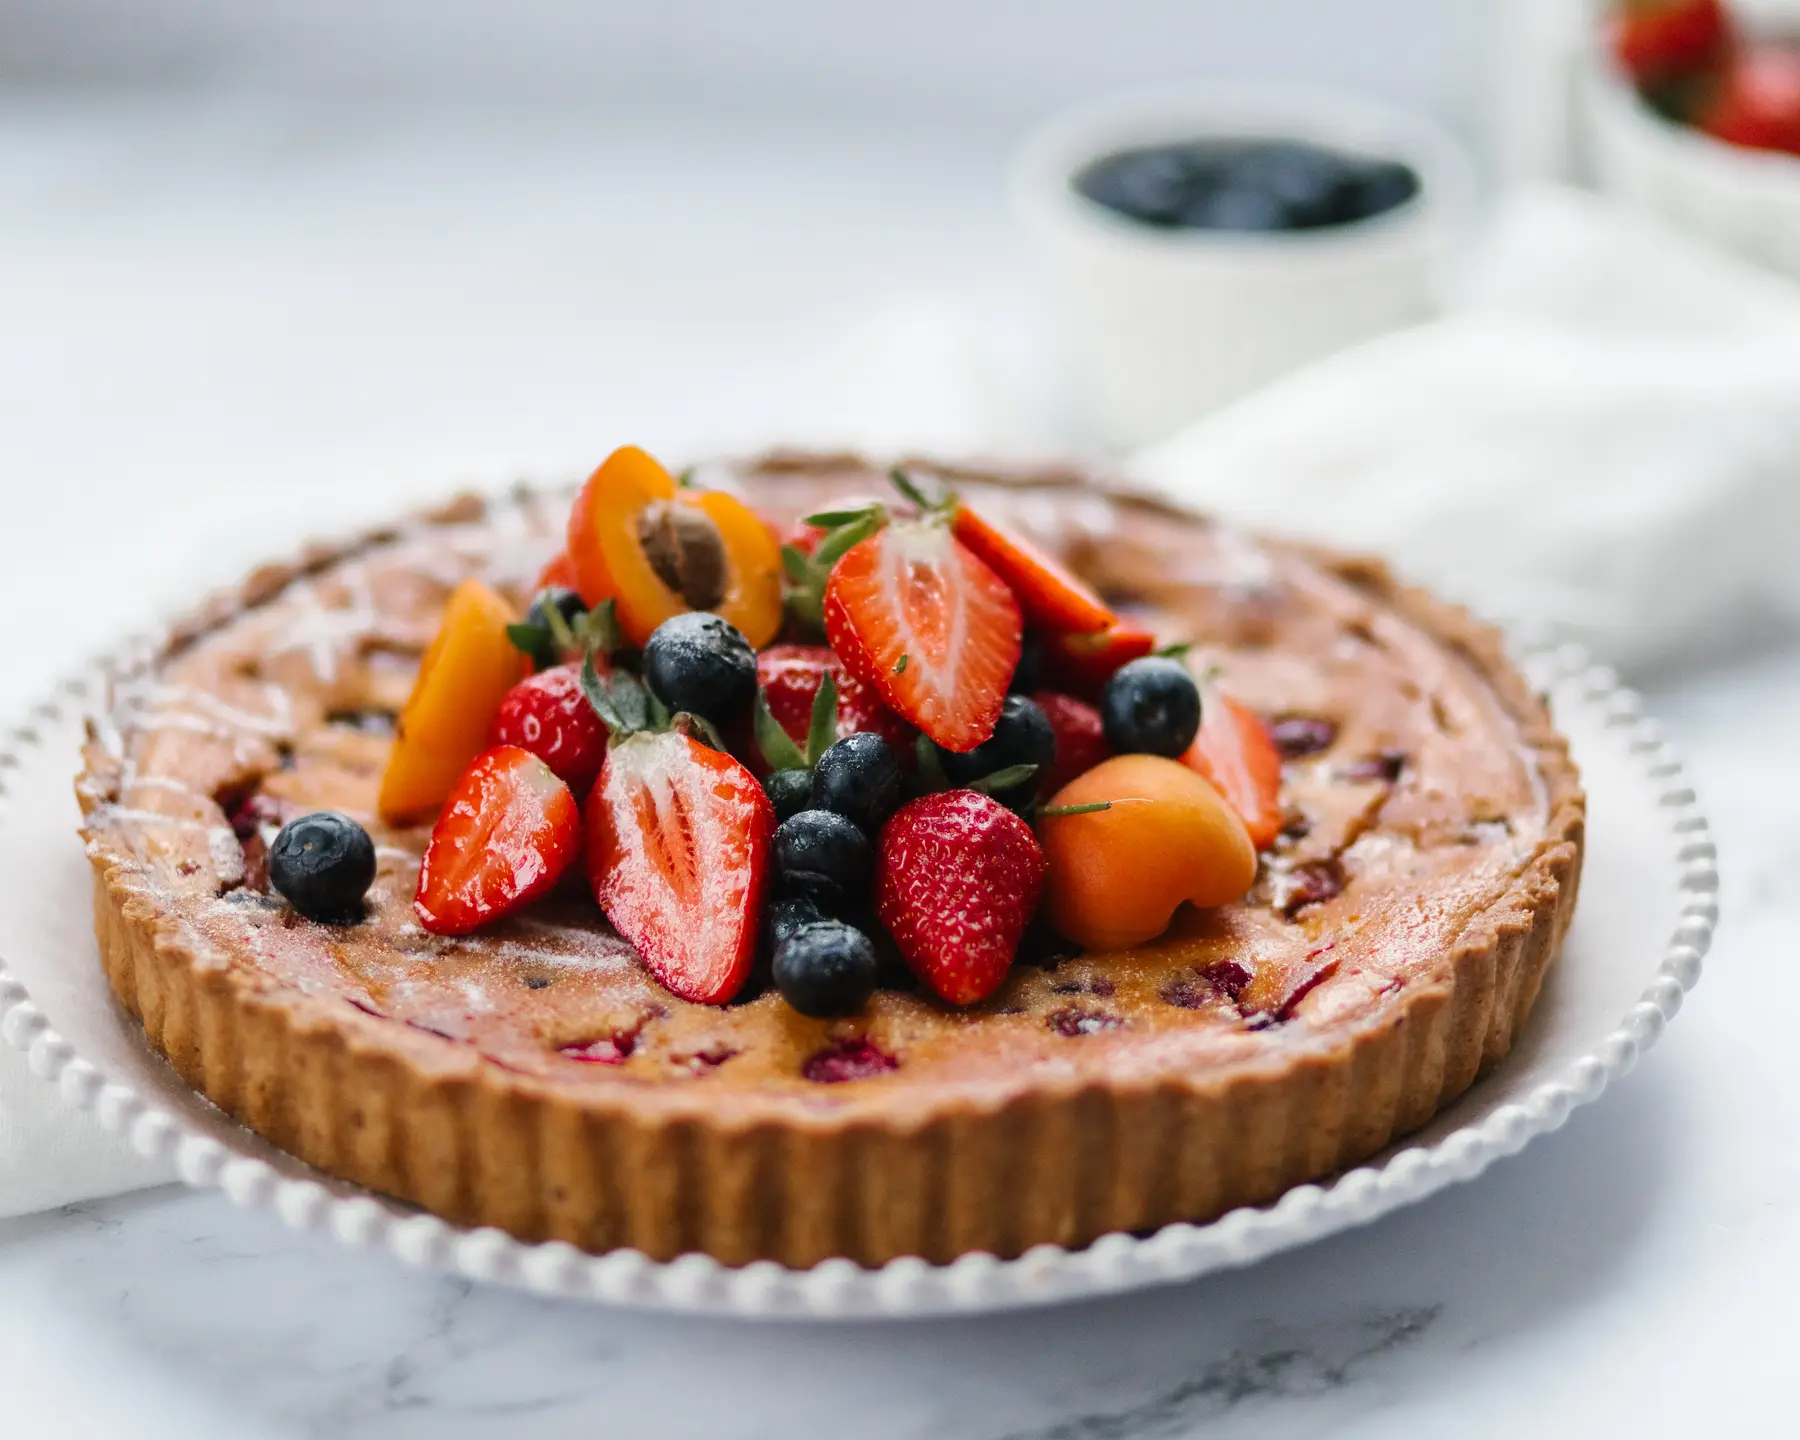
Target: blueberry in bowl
(1246, 185)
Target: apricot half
(656, 549)
(464, 676)
(1115, 877)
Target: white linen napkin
(1604, 435)
(51, 1154)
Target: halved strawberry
(919, 616)
(678, 855)
(790, 676)
(504, 837)
(1082, 664)
(1235, 751)
(1049, 592)
(1080, 738)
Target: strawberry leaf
(552, 637)
(832, 519)
(1093, 807)
(530, 638)
(599, 628)
(600, 697)
(807, 574)
(629, 698)
(845, 537)
(1005, 779)
(931, 768)
(796, 564)
(909, 489)
(561, 636)
(823, 730)
(777, 746)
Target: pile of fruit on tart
(1693, 64)
(904, 737)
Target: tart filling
(1418, 872)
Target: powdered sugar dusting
(147, 706)
(325, 632)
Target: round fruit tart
(800, 858)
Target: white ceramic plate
(1647, 912)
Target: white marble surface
(227, 304)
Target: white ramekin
(1159, 326)
(1747, 201)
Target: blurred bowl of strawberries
(1694, 115)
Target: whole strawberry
(1655, 41)
(790, 676)
(547, 714)
(1756, 102)
(957, 881)
(1080, 738)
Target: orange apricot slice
(466, 672)
(1115, 877)
(753, 571)
(656, 550)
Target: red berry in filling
(857, 1059)
(1297, 736)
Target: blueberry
(785, 917)
(826, 969)
(700, 663)
(1148, 185)
(323, 864)
(1151, 706)
(823, 857)
(1377, 186)
(1028, 674)
(1022, 736)
(1307, 182)
(859, 778)
(567, 604)
(790, 791)
(1245, 185)
(1235, 207)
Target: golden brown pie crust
(982, 1159)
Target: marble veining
(1284, 1365)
